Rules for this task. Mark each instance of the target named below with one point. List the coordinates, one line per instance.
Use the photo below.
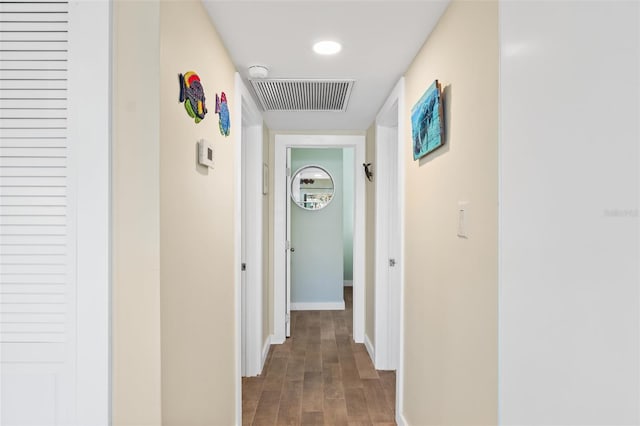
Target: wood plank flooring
(319, 376)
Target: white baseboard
(348, 283)
(317, 306)
(400, 420)
(265, 351)
(276, 341)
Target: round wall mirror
(312, 187)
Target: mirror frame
(300, 203)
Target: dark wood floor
(319, 376)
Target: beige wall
(136, 217)
(370, 241)
(451, 290)
(197, 227)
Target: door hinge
(243, 267)
(392, 262)
(287, 245)
(288, 171)
(287, 317)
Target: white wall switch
(463, 219)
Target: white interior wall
(569, 231)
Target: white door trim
(282, 142)
(90, 159)
(249, 132)
(385, 120)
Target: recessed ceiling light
(327, 47)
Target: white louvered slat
(24, 220)
(15, 73)
(37, 259)
(45, 318)
(35, 161)
(32, 308)
(39, 131)
(40, 211)
(27, 201)
(33, 180)
(34, 290)
(33, 55)
(51, 44)
(34, 172)
(30, 190)
(32, 230)
(39, 6)
(33, 152)
(23, 83)
(31, 328)
(33, 102)
(36, 26)
(55, 115)
(33, 278)
(33, 250)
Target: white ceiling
(379, 41)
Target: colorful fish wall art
(222, 109)
(192, 94)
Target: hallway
(319, 376)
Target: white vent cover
(303, 95)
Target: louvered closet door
(37, 283)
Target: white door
(54, 213)
(393, 270)
(388, 240)
(250, 283)
(243, 254)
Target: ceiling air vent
(303, 95)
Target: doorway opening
(389, 231)
(282, 244)
(319, 227)
(249, 286)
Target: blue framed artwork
(427, 124)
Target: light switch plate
(463, 219)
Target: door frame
(282, 142)
(391, 114)
(250, 132)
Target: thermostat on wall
(205, 153)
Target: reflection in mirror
(312, 187)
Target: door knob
(292, 249)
